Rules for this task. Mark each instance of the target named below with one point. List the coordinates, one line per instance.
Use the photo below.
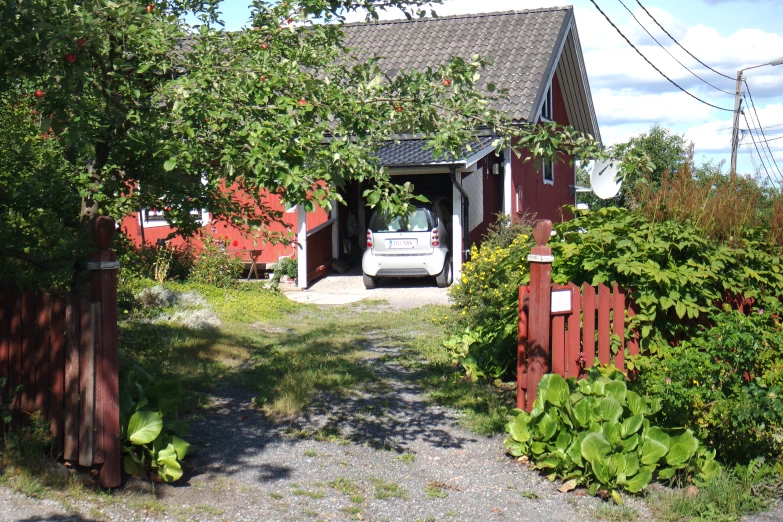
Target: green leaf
(680, 309)
(132, 467)
(169, 164)
(581, 411)
(518, 428)
(563, 441)
(608, 409)
(631, 425)
(666, 473)
(631, 464)
(548, 424)
(557, 391)
(682, 448)
(180, 446)
(144, 426)
(601, 471)
(639, 481)
(652, 451)
(595, 447)
(616, 390)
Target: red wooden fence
(563, 329)
(58, 356)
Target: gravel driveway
(384, 452)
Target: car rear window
(418, 220)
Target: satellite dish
(603, 180)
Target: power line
(773, 139)
(766, 156)
(755, 128)
(669, 53)
(757, 147)
(753, 105)
(678, 43)
(755, 166)
(653, 66)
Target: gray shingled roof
(413, 152)
(521, 43)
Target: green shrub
(215, 265)
(151, 435)
(484, 337)
(726, 383)
(672, 272)
(596, 432)
(286, 266)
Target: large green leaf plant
(151, 435)
(595, 432)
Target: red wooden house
(537, 59)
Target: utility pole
(738, 109)
(735, 129)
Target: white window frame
(160, 216)
(161, 221)
(547, 105)
(551, 163)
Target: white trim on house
(456, 232)
(551, 180)
(507, 182)
(301, 239)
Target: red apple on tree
(39, 94)
(150, 8)
(80, 42)
(446, 82)
(70, 58)
(301, 102)
(264, 46)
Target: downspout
(465, 213)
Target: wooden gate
(564, 329)
(58, 356)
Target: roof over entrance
(526, 47)
(416, 152)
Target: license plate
(401, 243)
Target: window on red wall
(520, 205)
(548, 171)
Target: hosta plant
(595, 432)
(151, 435)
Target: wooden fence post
(104, 265)
(538, 347)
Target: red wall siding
(244, 242)
(545, 201)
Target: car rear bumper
(404, 265)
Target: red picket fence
(59, 357)
(563, 329)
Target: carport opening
(354, 218)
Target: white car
(414, 245)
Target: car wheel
(444, 278)
(370, 282)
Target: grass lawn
(287, 352)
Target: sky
(630, 96)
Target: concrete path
(341, 289)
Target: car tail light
(434, 240)
(369, 239)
